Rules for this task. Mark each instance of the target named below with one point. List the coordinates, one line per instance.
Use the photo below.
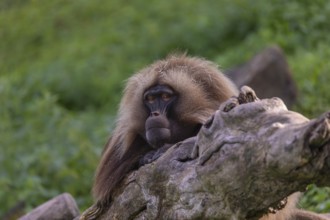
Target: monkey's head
(164, 103)
(168, 101)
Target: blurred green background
(63, 65)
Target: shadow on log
(246, 159)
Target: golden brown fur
(200, 86)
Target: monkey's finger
(247, 95)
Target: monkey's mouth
(158, 136)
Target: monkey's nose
(156, 113)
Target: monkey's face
(158, 99)
(163, 125)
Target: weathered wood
(268, 74)
(246, 159)
(61, 207)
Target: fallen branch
(246, 159)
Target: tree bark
(245, 160)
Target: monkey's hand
(153, 155)
(246, 95)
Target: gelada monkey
(162, 104)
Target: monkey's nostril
(155, 113)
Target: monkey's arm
(153, 155)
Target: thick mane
(199, 82)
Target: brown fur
(200, 86)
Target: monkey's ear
(115, 165)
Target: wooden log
(244, 162)
(61, 207)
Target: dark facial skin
(162, 126)
(159, 101)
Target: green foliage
(316, 199)
(45, 148)
(96, 40)
(62, 66)
(313, 73)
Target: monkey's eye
(150, 98)
(166, 96)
